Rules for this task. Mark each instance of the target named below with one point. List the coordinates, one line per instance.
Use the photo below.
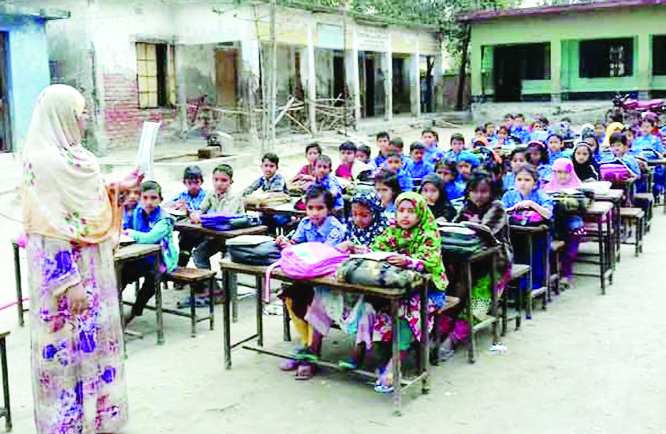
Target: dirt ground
(589, 364)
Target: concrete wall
(563, 31)
(28, 71)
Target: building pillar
(476, 67)
(555, 70)
(312, 78)
(388, 83)
(644, 73)
(438, 79)
(416, 81)
(356, 80)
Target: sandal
(304, 372)
(187, 302)
(384, 383)
(289, 365)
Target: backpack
(525, 217)
(459, 243)
(615, 172)
(224, 221)
(306, 261)
(253, 250)
(571, 201)
(378, 273)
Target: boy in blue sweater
(417, 168)
(394, 165)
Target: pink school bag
(615, 172)
(305, 261)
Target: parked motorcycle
(624, 104)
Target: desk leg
(397, 378)
(530, 283)
(617, 221)
(158, 301)
(546, 264)
(286, 330)
(610, 251)
(425, 350)
(5, 384)
(227, 319)
(493, 288)
(19, 284)
(233, 287)
(602, 257)
(211, 302)
(259, 283)
(467, 275)
(119, 284)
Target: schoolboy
(432, 152)
(394, 165)
(396, 145)
(383, 140)
(271, 180)
(417, 168)
(519, 129)
(323, 178)
(457, 146)
(363, 153)
(191, 198)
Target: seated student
(432, 152)
(539, 129)
(150, 225)
(383, 139)
(586, 168)
(305, 177)
(457, 146)
(396, 145)
(519, 130)
(393, 165)
(468, 162)
(591, 141)
(529, 195)
(448, 170)
(363, 153)
(538, 157)
(131, 201)
(491, 131)
(634, 120)
(418, 168)
(649, 146)
(221, 199)
(347, 158)
(517, 158)
(508, 122)
(568, 227)
(502, 139)
(319, 225)
(599, 131)
(271, 180)
(415, 240)
(555, 147)
(479, 132)
(434, 191)
(388, 188)
(618, 143)
(323, 178)
(481, 206)
(188, 200)
(605, 150)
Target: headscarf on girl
(562, 165)
(610, 129)
(63, 193)
(421, 241)
(469, 157)
(443, 207)
(588, 170)
(370, 200)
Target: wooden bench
(555, 247)
(646, 202)
(636, 217)
(194, 277)
(518, 272)
(449, 303)
(6, 410)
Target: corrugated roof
(558, 9)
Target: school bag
(525, 217)
(253, 250)
(226, 221)
(572, 201)
(305, 261)
(459, 243)
(615, 172)
(367, 271)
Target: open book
(375, 256)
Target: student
(448, 170)
(150, 225)
(418, 168)
(585, 166)
(568, 227)
(647, 144)
(367, 222)
(396, 145)
(271, 180)
(528, 195)
(634, 120)
(538, 157)
(305, 177)
(388, 188)
(605, 146)
(502, 139)
(468, 163)
(599, 129)
(131, 201)
(323, 178)
(347, 157)
(508, 122)
(591, 141)
(479, 132)
(393, 165)
(519, 130)
(188, 200)
(618, 144)
(433, 189)
(483, 207)
(221, 199)
(321, 226)
(555, 146)
(457, 146)
(383, 140)
(415, 240)
(491, 131)
(432, 152)
(363, 154)
(517, 158)
(539, 129)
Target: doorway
(369, 87)
(226, 77)
(507, 71)
(5, 120)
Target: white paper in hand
(144, 159)
(375, 256)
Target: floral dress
(77, 360)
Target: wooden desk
(596, 213)
(654, 163)
(285, 208)
(614, 196)
(393, 295)
(132, 253)
(544, 290)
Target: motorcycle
(624, 104)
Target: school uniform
(552, 156)
(193, 202)
(509, 181)
(419, 170)
(128, 214)
(451, 156)
(433, 154)
(331, 184)
(275, 183)
(627, 160)
(331, 232)
(521, 133)
(647, 144)
(544, 171)
(456, 188)
(379, 160)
